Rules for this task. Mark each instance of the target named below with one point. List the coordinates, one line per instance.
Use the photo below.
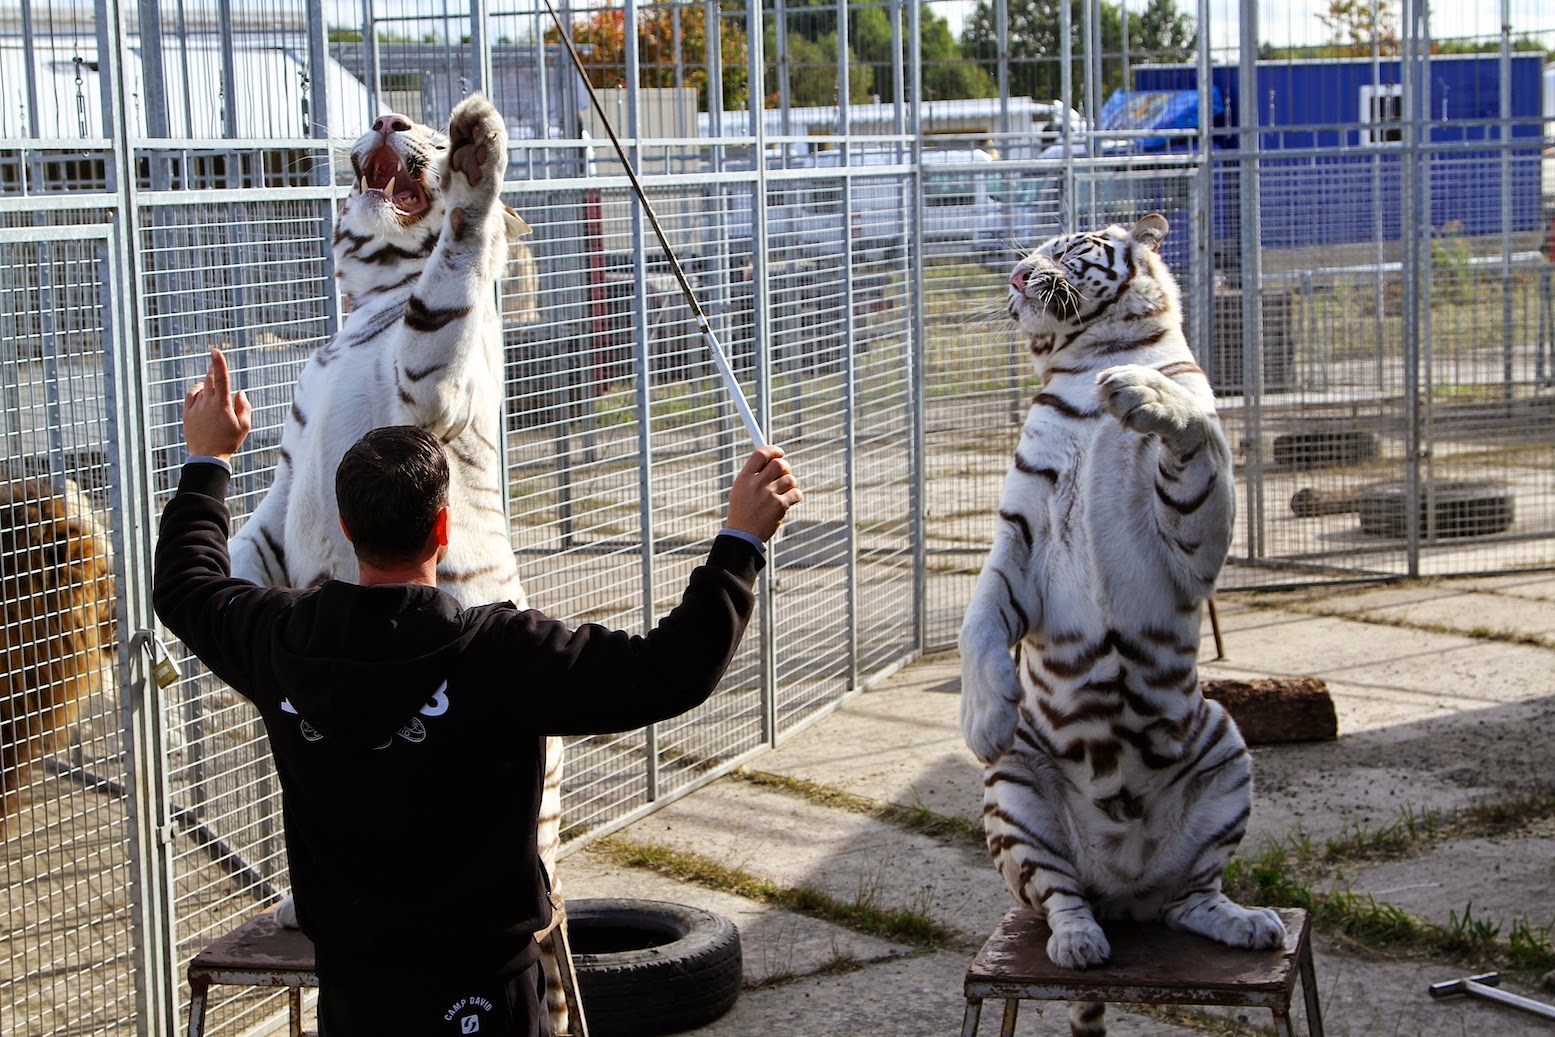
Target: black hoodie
(408, 735)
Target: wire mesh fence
(1362, 249)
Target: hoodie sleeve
(218, 617)
(594, 680)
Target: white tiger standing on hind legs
(1113, 788)
(419, 246)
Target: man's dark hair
(390, 486)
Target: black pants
(494, 1008)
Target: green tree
(656, 52)
(1353, 24)
(1160, 32)
(946, 72)
(812, 72)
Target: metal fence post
(145, 758)
(917, 352)
(760, 287)
(644, 361)
(1252, 274)
(849, 356)
(1201, 310)
(323, 160)
(1411, 229)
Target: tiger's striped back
(1113, 787)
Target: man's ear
(343, 528)
(440, 526)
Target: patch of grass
(1276, 877)
(864, 914)
(916, 818)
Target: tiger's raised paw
(477, 153)
(990, 691)
(1148, 402)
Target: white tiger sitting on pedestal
(1113, 787)
(419, 246)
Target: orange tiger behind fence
(57, 614)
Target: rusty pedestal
(259, 953)
(1150, 965)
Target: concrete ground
(1445, 698)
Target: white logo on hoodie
(414, 731)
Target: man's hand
(762, 493)
(216, 420)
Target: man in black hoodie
(408, 734)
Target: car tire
(647, 967)
(1456, 508)
(1300, 451)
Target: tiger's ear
(515, 224)
(1149, 230)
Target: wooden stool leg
(1309, 991)
(562, 947)
(294, 1010)
(198, 987)
(1282, 1027)
(974, 1015)
(1011, 1010)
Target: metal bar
(917, 349)
(1252, 302)
(780, 38)
(370, 59)
(480, 47)
(1202, 285)
(62, 232)
(1411, 230)
(1505, 112)
(640, 345)
(849, 364)
(145, 737)
(1066, 205)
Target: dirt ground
(1443, 691)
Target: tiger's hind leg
(1031, 847)
(1087, 1019)
(1220, 787)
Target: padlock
(164, 668)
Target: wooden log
(1277, 709)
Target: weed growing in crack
(1468, 934)
(865, 914)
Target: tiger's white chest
(349, 388)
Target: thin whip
(719, 359)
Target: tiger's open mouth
(384, 172)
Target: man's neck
(423, 573)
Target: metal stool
(1150, 965)
(259, 953)
(263, 953)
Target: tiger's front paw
(1256, 928)
(1077, 942)
(1148, 402)
(477, 153)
